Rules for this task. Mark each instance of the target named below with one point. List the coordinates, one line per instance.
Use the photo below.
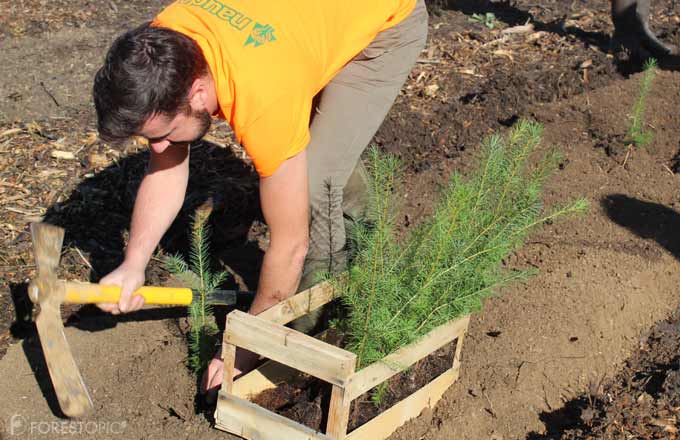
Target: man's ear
(203, 95)
(198, 95)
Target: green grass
(396, 292)
(488, 19)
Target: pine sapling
(398, 292)
(198, 276)
(636, 133)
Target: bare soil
(605, 279)
(640, 402)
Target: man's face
(163, 131)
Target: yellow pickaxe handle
(88, 293)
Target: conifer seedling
(637, 135)
(198, 275)
(396, 292)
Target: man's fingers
(125, 301)
(124, 305)
(214, 370)
(211, 380)
(137, 302)
(214, 384)
(207, 381)
(109, 307)
(216, 377)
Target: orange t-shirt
(270, 58)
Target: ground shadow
(93, 319)
(511, 15)
(23, 325)
(97, 213)
(558, 421)
(36, 359)
(671, 62)
(654, 378)
(645, 219)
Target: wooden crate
(290, 351)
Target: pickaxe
(50, 292)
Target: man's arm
(284, 197)
(158, 201)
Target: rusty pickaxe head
(46, 291)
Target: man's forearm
(159, 199)
(285, 206)
(279, 277)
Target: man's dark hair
(148, 70)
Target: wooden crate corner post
(229, 359)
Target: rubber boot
(355, 202)
(632, 32)
(355, 193)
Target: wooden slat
(300, 304)
(389, 421)
(229, 358)
(338, 413)
(289, 347)
(248, 420)
(378, 372)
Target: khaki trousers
(349, 112)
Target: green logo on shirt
(261, 33)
